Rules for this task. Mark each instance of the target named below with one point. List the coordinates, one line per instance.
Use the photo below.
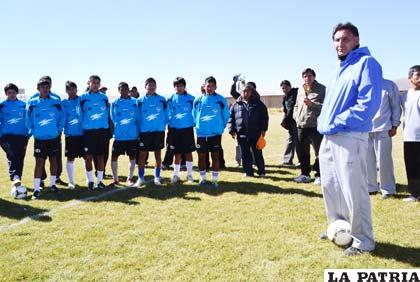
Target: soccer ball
(339, 232)
(19, 192)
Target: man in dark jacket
(288, 121)
(248, 121)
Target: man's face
(246, 93)
(286, 89)
(415, 79)
(44, 89)
(124, 90)
(71, 91)
(179, 88)
(344, 42)
(308, 79)
(11, 94)
(94, 85)
(151, 87)
(210, 88)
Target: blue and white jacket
(44, 117)
(153, 112)
(211, 114)
(73, 123)
(354, 96)
(12, 118)
(93, 110)
(180, 110)
(125, 116)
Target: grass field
(259, 229)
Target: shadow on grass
(410, 255)
(19, 211)
(267, 171)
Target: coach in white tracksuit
(385, 124)
(351, 102)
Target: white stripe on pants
(380, 157)
(342, 159)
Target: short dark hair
(133, 88)
(43, 81)
(252, 84)
(122, 84)
(412, 70)
(70, 84)
(210, 79)
(346, 26)
(149, 80)
(94, 77)
(285, 82)
(46, 77)
(180, 80)
(308, 70)
(11, 86)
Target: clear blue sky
(128, 40)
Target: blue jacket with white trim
(125, 116)
(12, 118)
(44, 117)
(180, 110)
(73, 123)
(211, 114)
(153, 113)
(93, 110)
(354, 96)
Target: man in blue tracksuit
(125, 116)
(351, 102)
(181, 125)
(14, 132)
(45, 121)
(154, 116)
(72, 130)
(93, 110)
(211, 114)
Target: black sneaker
(91, 186)
(54, 189)
(352, 251)
(100, 185)
(60, 182)
(36, 195)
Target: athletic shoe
(410, 199)
(130, 182)
(262, 175)
(215, 184)
(386, 196)
(323, 236)
(91, 186)
(303, 179)
(352, 251)
(36, 195)
(287, 164)
(54, 189)
(140, 182)
(247, 175)
(100, 185)
(71, 186)
(190, 179)
(114, 184)
(16, 183)
(202, 183)
(317, 180)
(158, 181)
(59, 181)
(175, 179)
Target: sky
(127, 40)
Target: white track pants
(380, 158)
(342, 159)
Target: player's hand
(236, 78)
(308, 102)
(392, 132)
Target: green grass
(259, 229)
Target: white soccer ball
(19, 192)
(339, 232)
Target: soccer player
(72, 130)
(211, 114)
(14, 132)
(45, 121)
(93, 109)
(181, 123)
(153, 112)
(125, 116)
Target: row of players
(139, 128)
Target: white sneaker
(410, 199)
(158, 181)
(317, 180)
(175, 179)
(190, 179)
(303, 179)
(130, 182)
(140, 182)
(71, 186)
